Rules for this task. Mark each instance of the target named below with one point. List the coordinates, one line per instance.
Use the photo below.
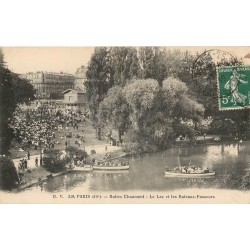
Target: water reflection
(65, 182)
(147, 171)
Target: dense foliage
(54, 161)
(8, 174)
(76, 153)
(154, 95)
(13, 90)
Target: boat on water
(82, 168)
(111, 172)
(189, 172)
(110, 167)
(189, 175)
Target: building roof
(50, 73)
(74, 90)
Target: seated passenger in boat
(177, 169)
(206, 170)
(199, 170)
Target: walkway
(100, 149)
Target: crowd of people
(37, 128)
(190, 170)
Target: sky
(54, 59)
(68, 59)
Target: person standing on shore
(36, 162)
(25, 164)
(28, 155)
(41, 160)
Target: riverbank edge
(124, 154)
(182, 146)
(43, 179)
(35, 182)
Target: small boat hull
(189, 175)
(111, 172)
(107, 168)
(87, 168)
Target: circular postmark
(204, 70)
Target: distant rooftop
(52, 73)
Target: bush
(79, 153)
(245, 183)
(233, 180)
(54, 161)
(8, 174)
(138, 148)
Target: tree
(124, 63)
(159, 114)
(179, 101)
(178, 64)
(99, 78)
(8, 173)
(114, 111)
(141, 96)
(206, 91)
(1, 56)
(13, 90)
(77, 152)
(7, 107)
(54, 160)
(178, 108)
(109, 66)
(24, 91)
(151, 61)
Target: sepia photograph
(125, 124)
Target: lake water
(147, 171)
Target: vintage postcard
(125, 125)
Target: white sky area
(54, 59)
(68, 59)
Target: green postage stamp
(234, 87)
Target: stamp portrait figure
(232, 85)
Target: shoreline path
(100, 149)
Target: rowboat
(85, 168)
(189, 175)
(111, 172)
(98, 167)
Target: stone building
(75, 100)
(50, 84)
(80, 77)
